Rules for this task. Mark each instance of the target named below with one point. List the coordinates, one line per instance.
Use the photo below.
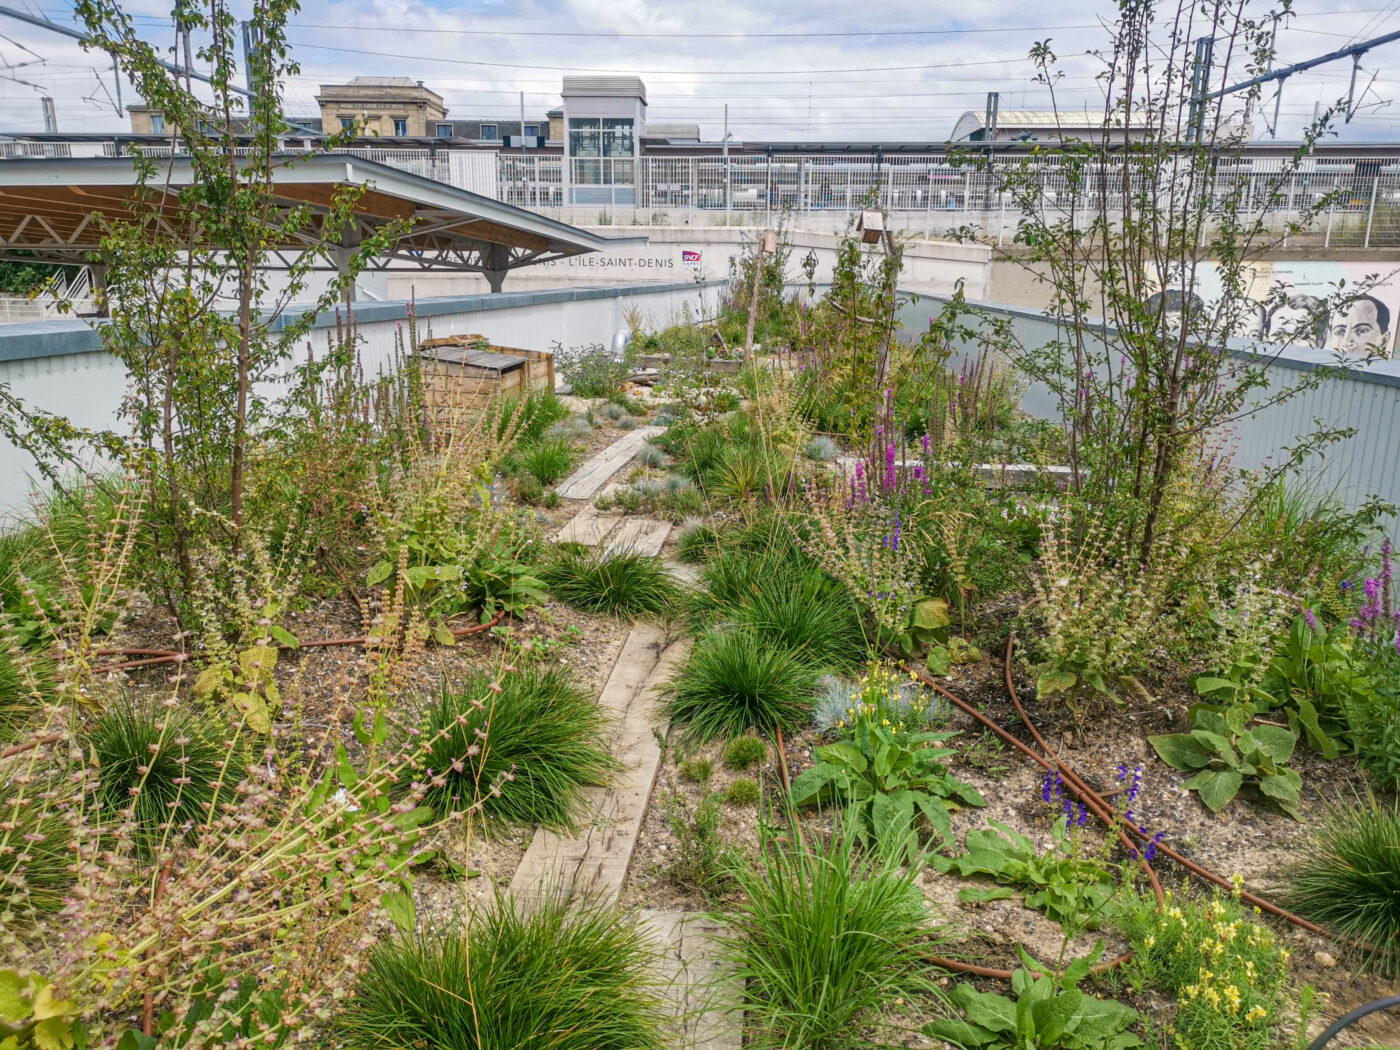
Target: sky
(886, 70)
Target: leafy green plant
(1317, 676)
(824, 939)
(1346, 878)
(734, 681)
(1045, 1011)
(1226, 971)
(570, 978)
(163, 765)
(1225, 752)
(745, 752)
(884, 778)
(530, 418)
(742, 791)
(545, 741)
(622, 583)
(1071, 889)
(697, 541)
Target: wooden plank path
(598, 468)
(589, 526)
(689, 966)
(639, 536)
(594, 862)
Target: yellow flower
(1150, 942)
(1249, 968)
(1233, 995)
(1237, 881)
(1256, 1013)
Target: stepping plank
(597, 469)
(686, 574)
(595, 861)
(688, 964)
(639, 536)
(589, 526)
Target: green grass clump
(651, 456)
(534, 414)
(551, 978)
(548, 460)
(697, 771)
(697, 541)
(745, 752)
(165, 765)
(795, 606)
(622, 583)
(742, 791)
(34, 854)
(824, 939)
(1347, 879)
(545, 742)
(735, 680)
(23, 689)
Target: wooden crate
(462, 373)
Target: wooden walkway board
(597, 469)
(688, 965)
(639, 536)
(589, 526)
(595, 862)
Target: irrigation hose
(169, 656)
(1162, 848)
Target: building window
(157, 124)
(617, 137)
(400, 128)
(532, 131)
(444, 131)
(585, 139)
(490, 132)
(346, 123)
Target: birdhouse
(770, 243)
(871, 225)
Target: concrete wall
(1366, 398)
(61, 367)
(678, 252)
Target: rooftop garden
(949, 726)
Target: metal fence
(922, 193)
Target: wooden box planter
(462, 373)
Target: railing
(925, 193)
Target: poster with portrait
(1290, 297)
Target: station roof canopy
(55, 209)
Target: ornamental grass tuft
(622, 583)
(526, 751)
(1346, 878)
(825, 939)
(550, 978)
(736, 680)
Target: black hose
(1351, 1018)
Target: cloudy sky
(891, 70)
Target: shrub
(557, 977)
(165, 765)
(745, 752)
(651, 456)
(545, 742)
(697, 771)
(823, 449)
(1347, 879)
(621, 583)
(592, 371)
(548, 460)
(697, 541)
(742, 791)
(699, 849)
(824, 939)
(736, 680)
(613, 412)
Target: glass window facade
(400, 128)
(157, 124)
(490, 132)
(532, 131)
(444, 131)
